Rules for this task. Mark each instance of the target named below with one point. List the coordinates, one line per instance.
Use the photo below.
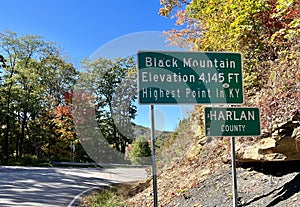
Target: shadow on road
(21, 186)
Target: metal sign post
(229, 122)
(153, 157)
(172, 77)
(233, 168)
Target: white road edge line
(80, 194)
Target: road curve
(57, 187)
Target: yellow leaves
(283, 4)
(164, 12)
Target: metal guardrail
(75, 163)
(93, 164)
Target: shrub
(141, 152)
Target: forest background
(38, 83)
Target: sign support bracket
(154, 176)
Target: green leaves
(114, 87)
(33, 82)
(258, 29)
(141, 152)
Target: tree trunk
(6, 137)
(22, 137)
(8, 126)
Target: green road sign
(169, 77)
(233, 121)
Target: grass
(114, 196)
(108, 197)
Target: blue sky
(94, 27)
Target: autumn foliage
(36, 101)
(266, 32)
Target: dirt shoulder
(254, 189)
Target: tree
(113, 84)
(141, 152)
(33, 82)
(260, 30)
(266, 32)
(2, 61)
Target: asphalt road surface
(57, 187)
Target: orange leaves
(83, 107)
(68, 97)
(230, 25)
(278, 17)
(61, 111)
(169, 6)
(164, 12)
(181, 17)
(64, 110)
(63, 119)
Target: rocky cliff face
(283, 144)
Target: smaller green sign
(233, 121)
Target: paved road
(56, 187)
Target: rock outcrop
(283, 144)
